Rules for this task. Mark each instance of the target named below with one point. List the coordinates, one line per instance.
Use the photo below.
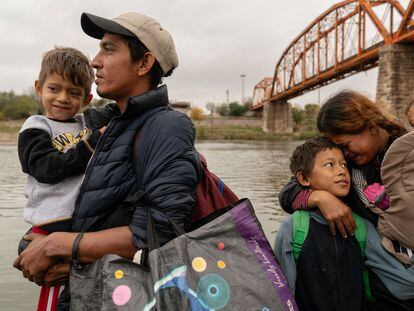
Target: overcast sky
(216, 41)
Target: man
(135, 53)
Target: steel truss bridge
(342, 41)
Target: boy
(328, 273)
(55, 149)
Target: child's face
(330, 173)
(61, 98)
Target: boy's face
(329, 173)
(61, 98)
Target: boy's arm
(284, 253)
(44, 162)
(398, 279)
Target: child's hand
(102, 129)
(335, 212)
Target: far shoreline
(9, 131)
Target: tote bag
(227, 264)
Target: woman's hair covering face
(349, 112)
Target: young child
(321, 275)
(55, 149)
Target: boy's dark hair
(303, 157)
(70, 64)
(138, 50)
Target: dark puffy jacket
(165, 159)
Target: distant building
(181, 106)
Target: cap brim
(96, 26)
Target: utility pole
(227, 96)
(242, 76)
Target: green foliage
(305, 119)
(236, 110)
(223, 110)
(14, 106)
(297, 116)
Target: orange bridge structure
(350, 37)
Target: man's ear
(38, 88)
(302, 179)
(87, 100)
(146, 63)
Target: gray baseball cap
(156, 38)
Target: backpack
(300, 230)
(212, 194)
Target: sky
(217, 41)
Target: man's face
(116, 75)
(410, 116)
(61, 98)
(330, 173)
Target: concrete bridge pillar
(395, 86)
(277, 117)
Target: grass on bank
(226, 132)
(232, 132)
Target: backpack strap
(300, 231)
(300, 227)
(361, 237)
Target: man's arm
(168, 167)
(44, 162)
(43, 252)
(398, 279)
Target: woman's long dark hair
(349, 112)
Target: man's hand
(335, 212)
(42, 254)
(57, 274)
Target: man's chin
(103, 94)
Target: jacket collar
(137, 105)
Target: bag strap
(361, 237)
(300, 231)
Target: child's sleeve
(284, 253)
(44, 162)
(293, 196)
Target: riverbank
(9, 132)
(233, 132)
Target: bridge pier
(277, 117)
(395, 86)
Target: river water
(256, 170)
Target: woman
(356, 124)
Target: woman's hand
(335, 212)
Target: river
(256, 170)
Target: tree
(297, 116)
(310, 114)
(197, 114)
(210, 107)
(223, 110)
(236, 110)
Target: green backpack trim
(300, 223)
